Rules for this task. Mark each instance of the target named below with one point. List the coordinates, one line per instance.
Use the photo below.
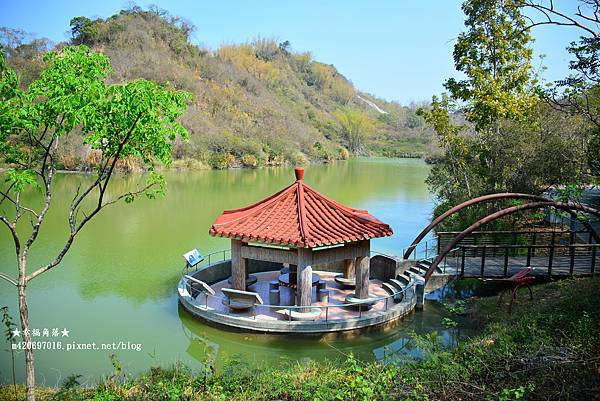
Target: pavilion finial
(299, 171)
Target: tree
(356, 126)
(24, 57)
(455, 164)
(579, 92)
(83, 30)
(511, 141)
(494, 55)
(133, 119)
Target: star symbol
(16, 333)
(65, 333)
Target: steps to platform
(396, 283)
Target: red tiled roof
(299, 216)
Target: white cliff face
(373, 105)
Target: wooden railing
(578, 258)
(531, 237)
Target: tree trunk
(24, 314)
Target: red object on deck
(299, 216)
(521, 278)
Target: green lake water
(118, 282)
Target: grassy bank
(547, 349)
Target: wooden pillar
(348, 268)
(362, 277)
(304, 288)
(238, 266)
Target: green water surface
(117, 284)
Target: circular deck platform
(337, 315)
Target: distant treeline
(255, 104)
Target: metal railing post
(571, 259)
(506, 262)
(529, 256)
(550, 258)
(462, 261)
(593, 268)
(482, 260)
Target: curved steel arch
(501, 213)
(480, 199)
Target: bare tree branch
(13, 231)
(102, 182)
(48, 198)
(561, 18)
(9, 279)
(11, 200)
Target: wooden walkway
(494, 266)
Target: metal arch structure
(480, 199)
(501, 213)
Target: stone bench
(240, 300)
(198, 285)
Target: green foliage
(20, 179)
(83, 30)
(511, 141)
(579, 93)
(542, 350)
(494, 55)
(449, 323)
(515, 393)
(134, 119)
(569, 193)
(456, 163)
(356, 126)
(456, 308)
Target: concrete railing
(382, 309)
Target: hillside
(257, 103)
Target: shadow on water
(463, 289)
(468, 288)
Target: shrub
(275, 160)
(249, 161)
(299, 159)
(222, 161)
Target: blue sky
(398, 50)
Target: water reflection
(392, 346)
